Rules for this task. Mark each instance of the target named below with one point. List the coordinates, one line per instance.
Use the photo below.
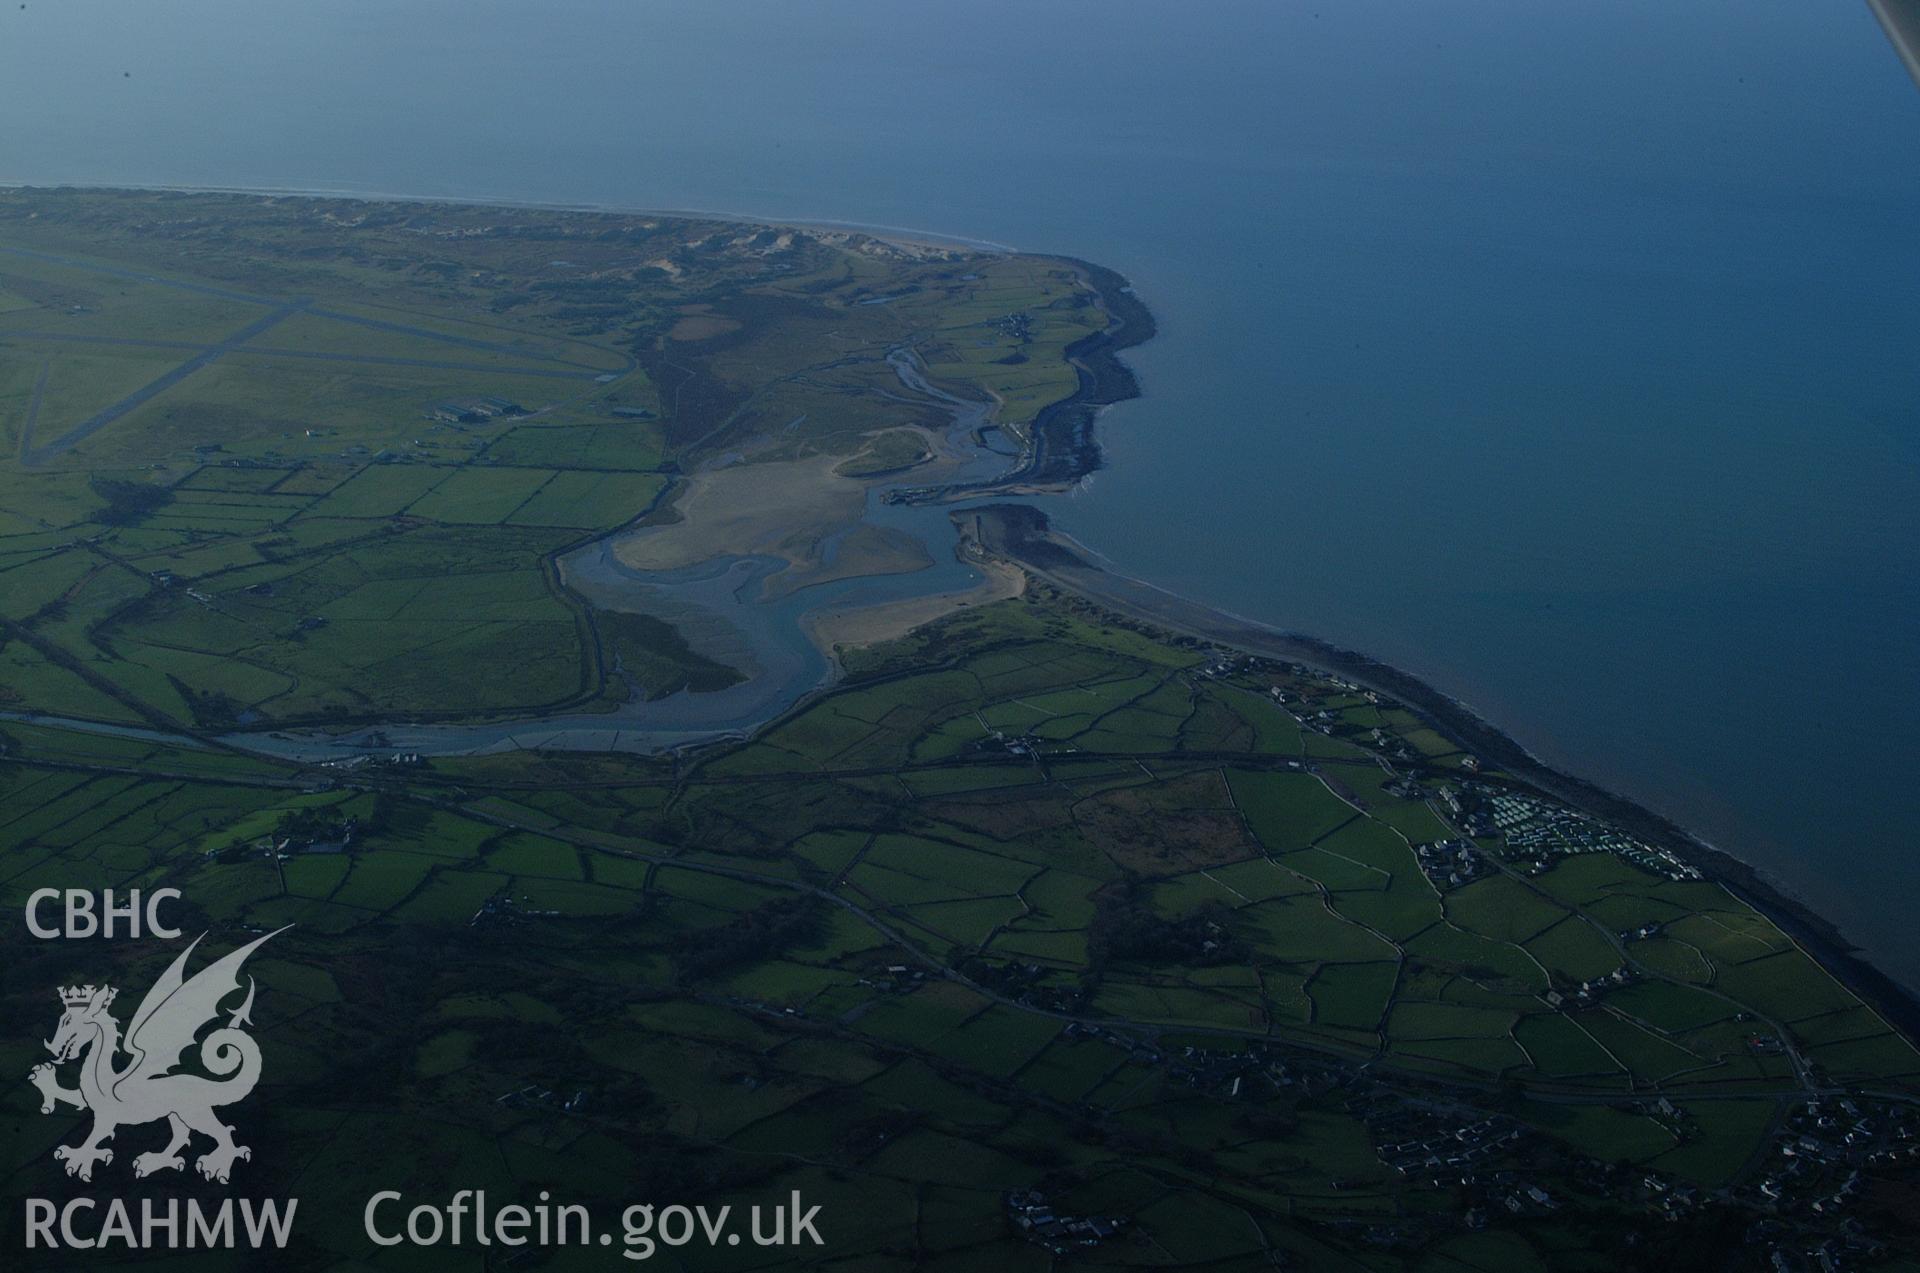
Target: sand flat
(782, 508)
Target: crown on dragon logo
(173, 1019)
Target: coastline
(905, 235)
(1023, 535)
(1064, 449)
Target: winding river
(1559, 354)
(725, 607)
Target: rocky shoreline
(1063, 448)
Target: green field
(1029, 898)
(365, 430)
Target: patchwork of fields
(1032, 902)
(269, 463)
(1215, 962)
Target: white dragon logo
(166, 1024)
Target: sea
(1565, 355)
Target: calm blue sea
(1566, 354)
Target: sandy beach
(833, 630)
